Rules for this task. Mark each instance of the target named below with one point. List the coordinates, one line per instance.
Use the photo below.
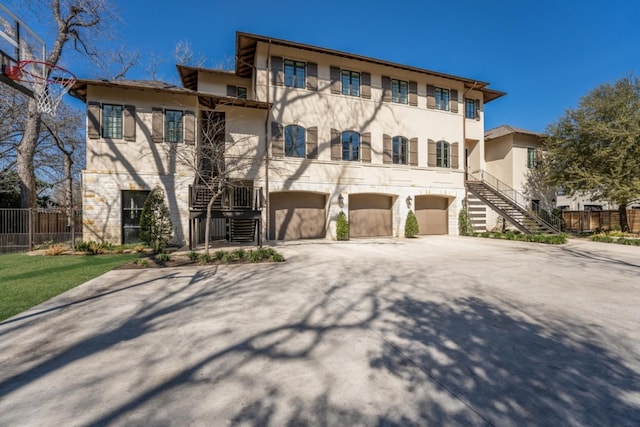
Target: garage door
(432, 213)
(370, 215)
(297, 215)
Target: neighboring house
(328, 131)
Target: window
(470, 108)
(132, 203)
(350, 146)
(560, 191)
(400, 146)
(237, 91)
(294, 141)
(442, 99)
(350, 83)
(531, 158)
(443, 154)
(112, 121)
(399, 91)
(173, 125)
(294, 73)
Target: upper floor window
(400, 146)
(443, 154)
(442, 99)
(173, 125)
(294, 73)
(112, 121)
(294, 141)
(350, 146)
(531, 158)
(399, 91)
(237, 91)
(350, 83)
(470, 111)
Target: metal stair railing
(547, 218)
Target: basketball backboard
(18, 43)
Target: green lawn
(26, 280)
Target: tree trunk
(25, 154)
(624, 223)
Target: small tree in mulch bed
(411, 228)
(156, 228)
(342, 227)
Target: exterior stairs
(511, 205)
(242, 230)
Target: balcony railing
(227, 198)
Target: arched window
(350, 145)
(294, 141)
(400, 147)
(443, 154)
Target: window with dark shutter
(366, 86)
(431, 96)
(93, 120)
(431, 154)
(312, 142)
(454, 156)
(335, 80)
(386, 89)
(336, 145)
(413, 94)
(413, 152)
(232, 91)
(277, 140)
(156, 124)
(366, 147)
(277, 70)
(312, 76)
(454, 101)
(189, 127)
(478, 109)
(387, 150)
(129, 123)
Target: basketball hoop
(49, 82)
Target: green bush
(342, 227)
(601, 237)
(464, 223)
(193, 256)
(204, 258)
(163, 258)
(156, 228)
(238, 253)
(411, 228)
(94, 248)
(219, 254)
(630, 242)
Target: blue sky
(545, 54)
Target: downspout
(267, 133)
(464, 144)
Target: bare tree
(77, 24)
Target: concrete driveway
(433, 331)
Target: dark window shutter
(366, 147)
(277, 140)
(453, 102)
(335, 80)
(277, 70)
(156, 124)
(312, 76)
(336, 145)
(232, 91)
(387, 150)
(129, 123)
(189, 127)
(454, 156)
(431, 96)
(386, 88)
(413, 152)
(93, 120)
(477, 109)
(431, 154)
(365, 87)
(312, 142)
(413, 94)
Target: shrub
(601, 237)
(94, 248)
(163, 258)
(219, 254)
(411, 228)
(238, 253)
(229, 257)
(277, 257)
(464, 223)
(342, 227)
(143, 262)
(193, 256)
(204, 258)
(54, 250)
(155, 222)
(46, 244)
(255, 255)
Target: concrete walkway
(432, 331)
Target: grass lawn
(26, 280)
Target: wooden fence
(599, 220)
(24, 229)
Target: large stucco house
(314, 131)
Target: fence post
(31, 230)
